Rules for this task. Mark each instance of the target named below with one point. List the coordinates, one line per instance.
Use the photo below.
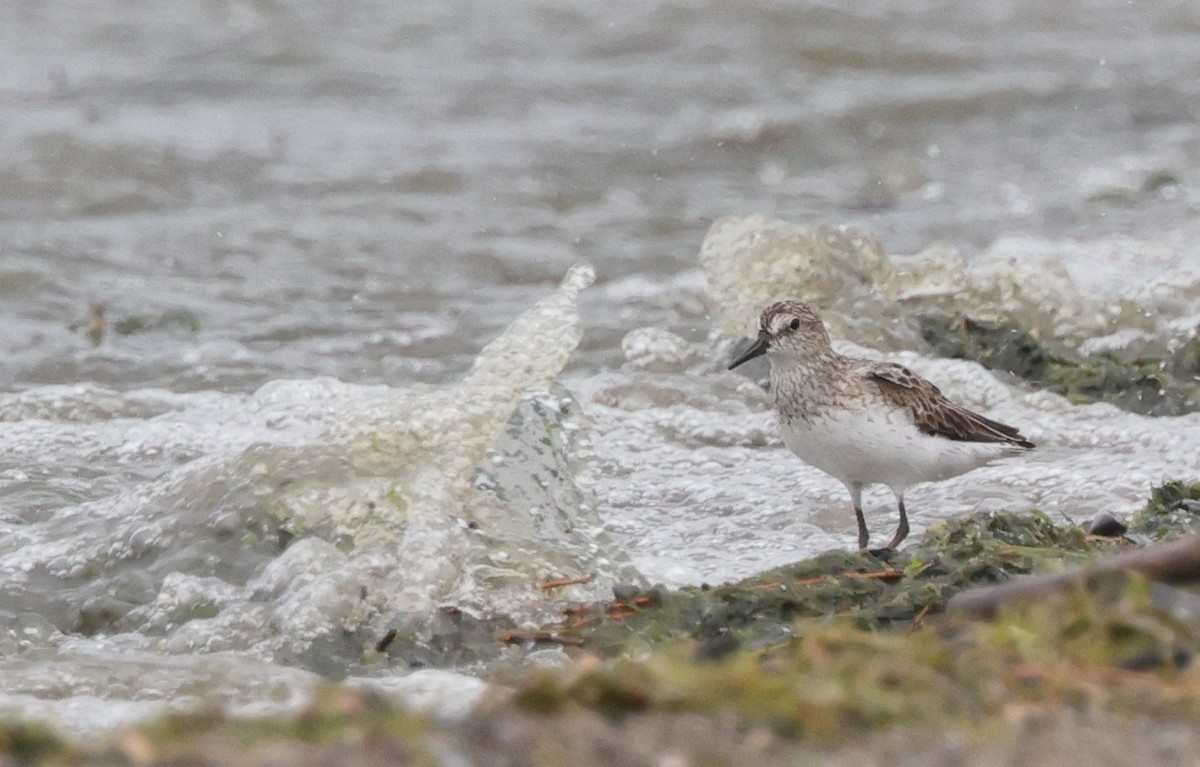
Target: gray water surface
(371, 191)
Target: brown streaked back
(933, 413)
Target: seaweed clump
(1149, 386)
(1173, 510)
(837, 585)
(1072, 650)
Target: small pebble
(1105, 524)
(625, 592)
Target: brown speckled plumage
(933, 413)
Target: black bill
(756, 349)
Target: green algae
(836, 585)
(335, 715)
(835, 678)
(1173, 510)
(1158, 385)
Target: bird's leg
(885, 553)
(856, 496)
(902, 530)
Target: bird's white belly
(882, 446)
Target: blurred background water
(251, 251)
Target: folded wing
(933, 413)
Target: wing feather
(933, 413)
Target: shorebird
(865, 422)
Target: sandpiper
(866, 422)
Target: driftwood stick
(1177, 562)
(558, 584)
(541, 635)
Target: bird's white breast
(868, 446)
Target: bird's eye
(795, 324)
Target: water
(326, 401)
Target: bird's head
(786, 328)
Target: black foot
(882, 555)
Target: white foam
(444, 695)
(375, 485)
(1066, 290)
